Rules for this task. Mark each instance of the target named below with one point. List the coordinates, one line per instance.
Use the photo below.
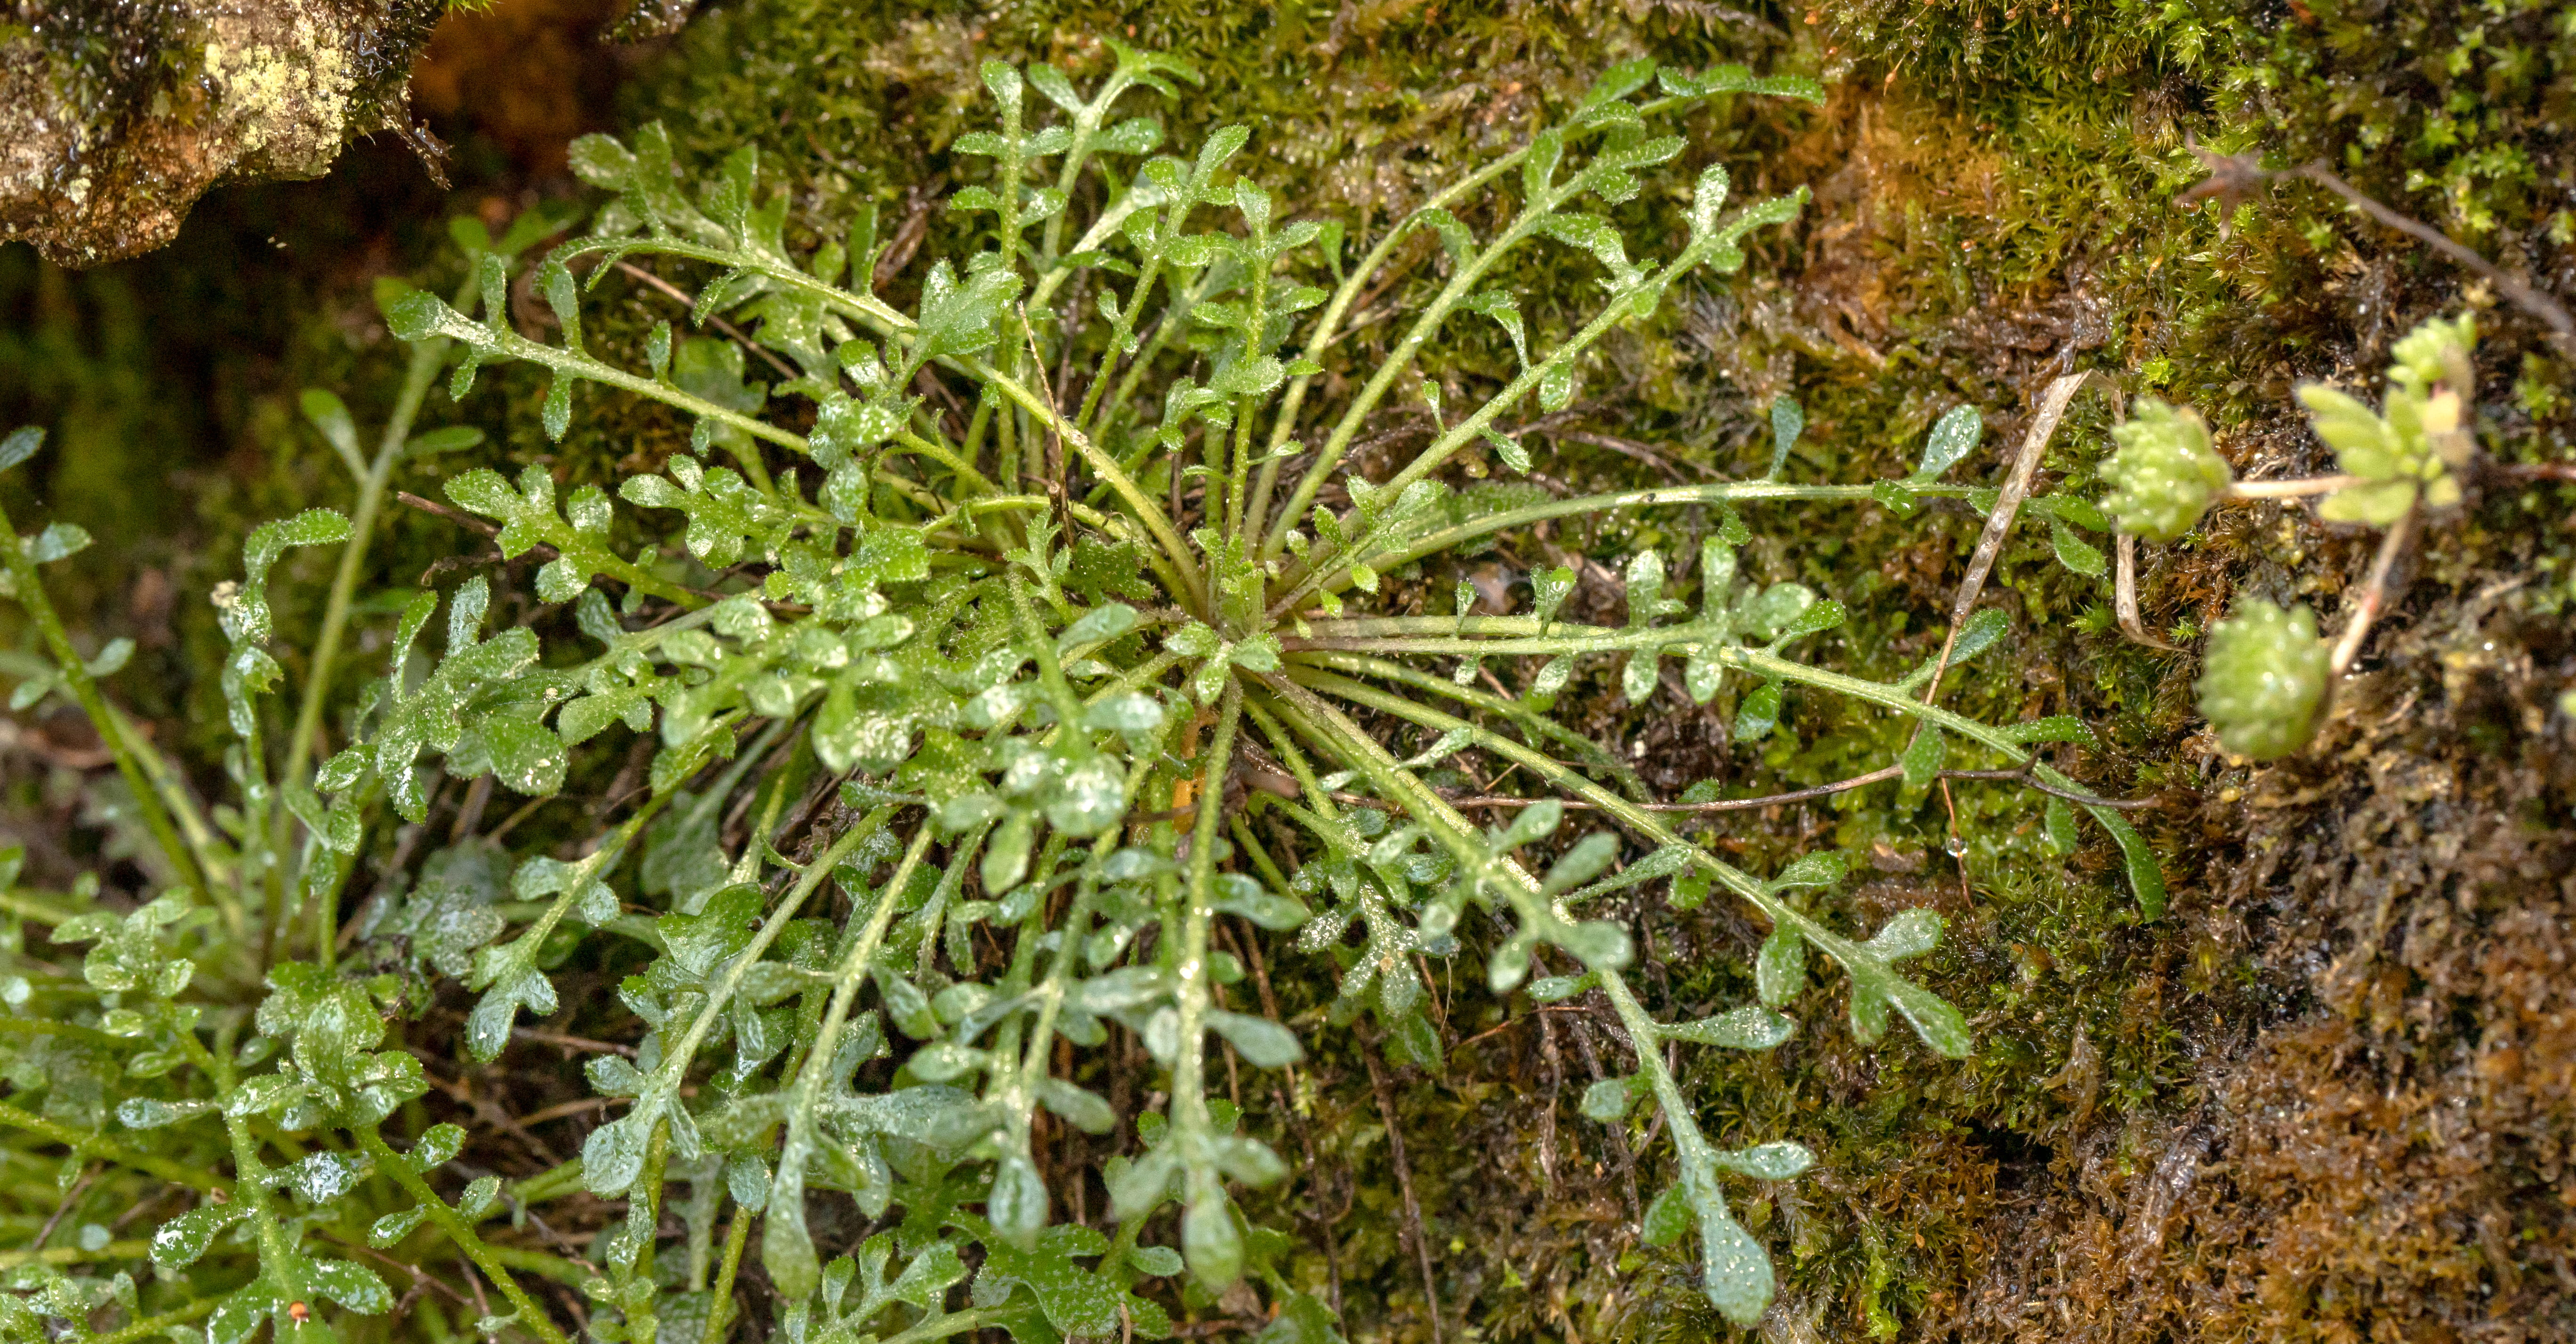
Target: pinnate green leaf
(1780, 968)
(1752, 1027)
(1953, 437)
(181, 1241)
(352, 1286)
(20, 445)
(1768, 1161)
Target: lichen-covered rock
(114, 119)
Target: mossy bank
(2329, 1095)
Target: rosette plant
(983, 676)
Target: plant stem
(2374, 593)
(1323, 567)
(514, 346)
(91, 1145)
(454, 1225)
(39, 1026)
(153, 1325)
(954, 1323)
(75, 673)
(675, 1065)
(74, 1255)
(1190, 964)
(1437, 812)
(530, 1261)
(427, 357)
(1725, 492)
(787, 1188)
(1532, 725)
(1462, 280)
(35, 912)
(1338, 307)
(720, 1304)
(554, 1182)
(1643, 1034)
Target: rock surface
(116, 117)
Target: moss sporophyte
(986, 664)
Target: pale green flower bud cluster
(2263, 680)
(2165, 475)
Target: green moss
(1994, 206)
(1997, 208)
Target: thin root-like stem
(2375, 592)
(2243, 492)
(1404, 1184)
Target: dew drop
(1956, 847)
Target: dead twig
(565, 1108)
(421, 1278)
(522, 813)
(572, 1042)
(406, 839)
(1554, 1059)
(1499, 1028)
(467, 521)
(1625, 448)
(62, 1210)
(2552, 314)
(489, 1112)
(482, 1304)
(1060, 503)
(729, 329)
(1619, 1150)
(2245, 491)
(2234, 177)
(478, 795)
(919, 201)
(571, 1249)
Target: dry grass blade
(2034, 446)
(2124, 596)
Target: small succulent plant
(2263, 681)
(2409, 450)
(2165, 475)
